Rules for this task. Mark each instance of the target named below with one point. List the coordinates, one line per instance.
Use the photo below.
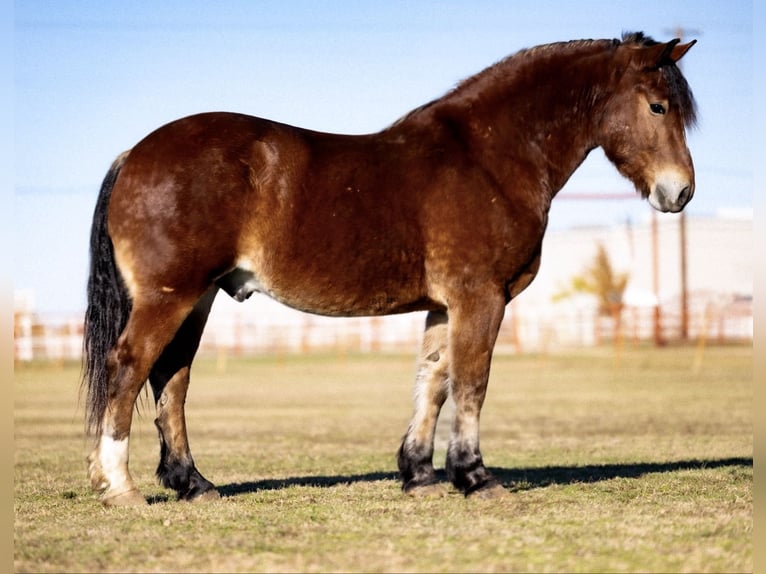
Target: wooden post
(684, 288)
(658, 338)
(679, 32)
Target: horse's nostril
(685, 195)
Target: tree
(600, 280)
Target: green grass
(636, 462)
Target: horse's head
(643, 129)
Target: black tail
(108, 305)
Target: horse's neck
(540, 116)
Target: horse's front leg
(415, 456)
(474, 322)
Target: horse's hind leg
(150, 327)
(415, 456)
(169, 379)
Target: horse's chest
(524, 277)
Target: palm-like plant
(600, 280)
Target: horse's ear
(680, 50)
(663, 54)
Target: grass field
(632, 463)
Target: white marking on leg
(465, 431)
(113, 456)
(423, 408)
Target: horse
(443, 211)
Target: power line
(595, 196)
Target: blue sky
(91, 78)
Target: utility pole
(679, 32)
(684, 284)
(657, 323)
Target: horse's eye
(658, 109)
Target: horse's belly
(347, 293)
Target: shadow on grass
(529, 478)
(514, 479)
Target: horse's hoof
(207, 496)
(128, 498)
(490, 492)
(434, 490)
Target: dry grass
(634, 463)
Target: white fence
(720, 260)
(265, 329)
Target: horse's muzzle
(671, 194)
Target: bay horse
(444, 211)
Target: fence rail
(523, 330)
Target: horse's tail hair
(108, 306)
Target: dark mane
(680, 93)
(505, 67)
